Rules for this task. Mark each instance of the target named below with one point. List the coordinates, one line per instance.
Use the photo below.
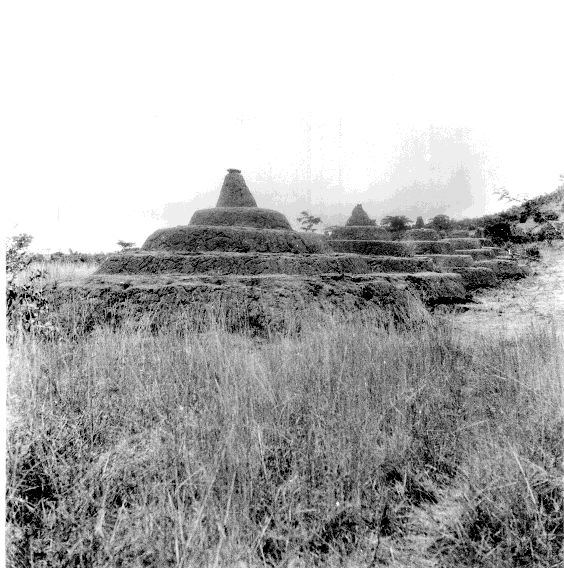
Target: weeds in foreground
(132, 447)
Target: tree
(308, 221)
(17, 256)
(419, 223)
(441, 223)
(499, 232)
(396, 223)
(125, 245)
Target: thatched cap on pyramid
(359, 217)
(234, 192)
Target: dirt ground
(538, 299)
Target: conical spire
(234, 192)
(359, 217)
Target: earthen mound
(420, 235)
(201, 238)
(249, 261)
(234, 192)
(235, 225)
(359, 217)
(241, 217)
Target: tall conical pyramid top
(234, 192)
(359, 217)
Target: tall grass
(130, 448)
(55, 272)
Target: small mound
(241, 217)
(420, 235)
(359, 217)
(361, 233)
(379, 248)
(430, 247)
(234, 192)
(200, 238)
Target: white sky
(111, 109)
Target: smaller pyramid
(359, 218)
(234, 191)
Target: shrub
(396, 223)
(26, 301)
(498, 232)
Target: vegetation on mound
(183, 449)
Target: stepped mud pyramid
(250, 263)
(359, 218)
(236, 224)
(361, 235)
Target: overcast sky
(113, 109)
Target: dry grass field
(348, 443)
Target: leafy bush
(26, 301)
(396, 223)
(441, 223)
(498, 232)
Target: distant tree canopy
(308, 221)
(125, 245)
(441, 223)
(419, 223)
(396, 223)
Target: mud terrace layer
(241, 217)
(504, 268)
(476, 277)
(361, 233)
(420, 235)
(478, 254)
(486, 242)
(194, 238)
(430, 247)
(159, 262)
(450, 260)
(468, 243)
(261, 302)
(384, 248)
